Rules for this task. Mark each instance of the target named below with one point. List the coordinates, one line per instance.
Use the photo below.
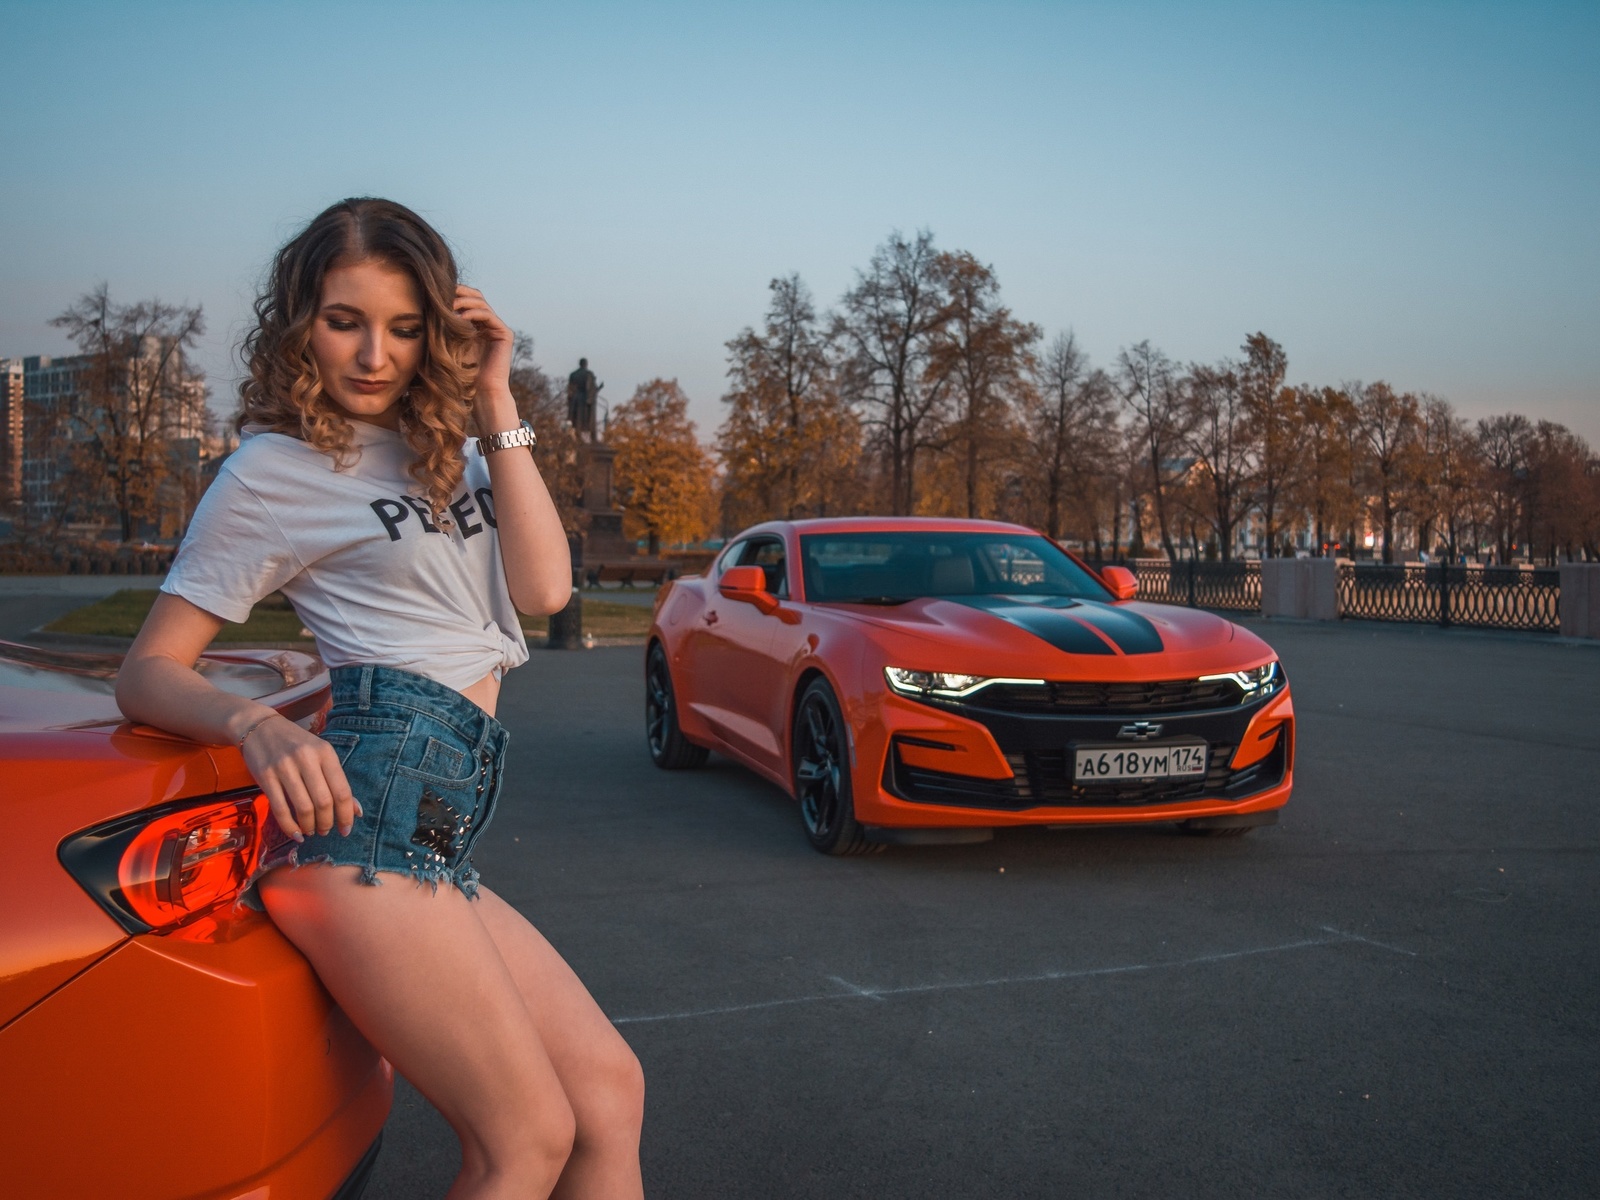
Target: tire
(1211, 831)
(821, 774)
(669, 749)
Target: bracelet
(255, 727)
(523, 435)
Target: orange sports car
(918, 680)
(155, 1041)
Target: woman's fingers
(346, 808)
(278, 805)
(317, 788)
(300, 802)
(480, 312)
(306, 788)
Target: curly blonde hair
(282, 390)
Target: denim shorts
(425, 763)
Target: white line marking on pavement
(1356, 937)
(857, 992)
(855, 989)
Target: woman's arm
(159, 686)
(532, 543)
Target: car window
(767, 553)
(730, 556)
(892, 567)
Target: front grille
(1043, 780)
(1118, 699)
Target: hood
(1060, 637)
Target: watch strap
(523, 435)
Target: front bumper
(945, 764)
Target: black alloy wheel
(822, 774)
(669, 749)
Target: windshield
(891, 568)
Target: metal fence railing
(1508, 597)
(1480, 597)
(1235, 586)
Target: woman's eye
(409, 334)
(341, 326)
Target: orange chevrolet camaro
(156, 1042)
(922, 680)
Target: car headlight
(1255, 683)
(932, 683)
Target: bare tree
(1447, 477)
(137, 396)
(1558, 520)
(1275, 422)
(1069, 430)
(1505, 442)
(1147, 382)
(885, 336)
(1388, 421)
(1327, 484)
(982, 354)
(1222, 479)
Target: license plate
(1163, 760)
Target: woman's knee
(533, 1146)
(609, 1099)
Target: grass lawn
(121, 614)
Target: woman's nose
(373, 353)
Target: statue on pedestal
(583, 397)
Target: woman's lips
(369, 386)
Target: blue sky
(1397, 191)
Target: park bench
(628, 574)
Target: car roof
(894, 525)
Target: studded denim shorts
(425, 763)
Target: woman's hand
(495, 345)
(301, 775)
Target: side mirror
(1123, 583)
(748, 584)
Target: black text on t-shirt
(395, 513)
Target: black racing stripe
(1132, 633)
(1047, 621)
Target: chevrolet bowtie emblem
(1140, 731)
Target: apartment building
(58, 412)
(11, 404)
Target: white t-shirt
(358, 555)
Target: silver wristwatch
(523, 435)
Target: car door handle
(711, 617)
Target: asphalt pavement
(1395, 992)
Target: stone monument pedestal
(603, 542)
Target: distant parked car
(920, 680)
(155, 1041)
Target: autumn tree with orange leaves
(790, 447)
(663, 475)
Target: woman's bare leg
(419, 974)
(598, 1072)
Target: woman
(403, 552)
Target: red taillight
(183, 864)
(158, 869)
